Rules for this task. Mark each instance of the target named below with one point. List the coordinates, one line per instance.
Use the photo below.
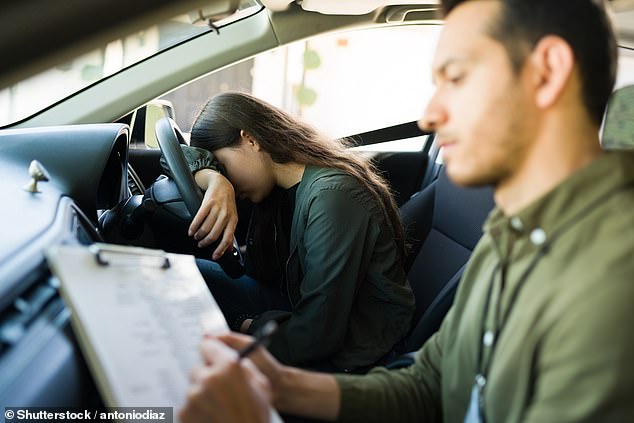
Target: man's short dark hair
(583, 24)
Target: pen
(262, 337)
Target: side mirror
(154, 111)
(144, 120)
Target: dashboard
(40, 363)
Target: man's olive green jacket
(548, 300)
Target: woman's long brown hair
(287, 139)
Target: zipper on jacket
(288, 292)
(277, 255)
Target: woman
(325, 244)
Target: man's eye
(455, 79)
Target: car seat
(443, 223)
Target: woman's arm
(217, 215)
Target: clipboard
(139, 316)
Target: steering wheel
(169, 138)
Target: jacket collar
(564, 204)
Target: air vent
(134, 182)
(16, 319)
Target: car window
(343, 83)
(625, 71)
(31, 95)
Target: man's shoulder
(609, 230)
(597, 257)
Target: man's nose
(433, 117)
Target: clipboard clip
(98, 249)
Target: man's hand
(217, 214)
(265, 362)
(226, 389)
(263, 380)
(294, 391)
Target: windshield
(36, 93)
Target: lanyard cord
(482, 369)
(485, 313)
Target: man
(539, 330)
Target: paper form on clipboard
(139, 316)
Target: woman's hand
(217, 214)
(226, 389)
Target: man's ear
(552, 62)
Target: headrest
(618, 127)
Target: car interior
(77, 172)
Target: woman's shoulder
(321, 182)
(324, 177)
